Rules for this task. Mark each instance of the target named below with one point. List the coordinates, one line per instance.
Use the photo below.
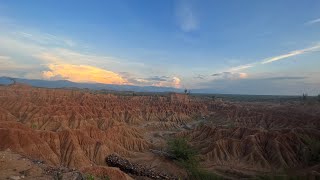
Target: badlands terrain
(74, 134)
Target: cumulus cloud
(186, 16)
(176, 82)
(82, 73)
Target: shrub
(187, 158)
(181, 150)
(34, 126)
(106, 177)
(90, 177)
(313, 155)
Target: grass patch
(187, 158)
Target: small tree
(304, 96)
(185, 91)
(319, 98)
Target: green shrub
(181, 150)
(106, 177)
(90, 177)
(34, 126)
(187, 158)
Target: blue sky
(247, 47)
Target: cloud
(241, 67)
(158, 78)
(277, 58)
(285, 78)
(291, 54)
(5, 57)
(170, 82)
(230, 75)
(176, 82)
(61, 55)
(200, 76)
(8, 64)
(313, 21)
(163, 81)
(82, 73)
(186, 16)
(261, 86)
(45, 39)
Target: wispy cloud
(186, 16)
(200, 76)
(291, 54)
(276, 58)
(285, 78)
(46, 39)
(4, 57)
(230, 75)
(313, 21)
(242, 67)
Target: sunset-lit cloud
(82, 73)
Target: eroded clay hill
(79, 129)
(76, 128)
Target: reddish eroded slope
(267, 115)
(79, 128)
(254, 149)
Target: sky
(230, 46)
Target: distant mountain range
(94, 86)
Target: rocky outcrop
(135, 169)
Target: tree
(319, 98)
(185, 91)
(304, 96)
